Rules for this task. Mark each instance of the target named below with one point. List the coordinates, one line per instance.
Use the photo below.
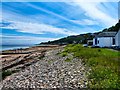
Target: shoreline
(17, 47)
(13, 47)
(25, 49)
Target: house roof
(107, 34)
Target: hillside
(82, 38)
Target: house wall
(93, 41)
(117, 37)
(103, 41)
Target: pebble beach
(48, 72)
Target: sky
(34, 22)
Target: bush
(40, 57)
(6, 73)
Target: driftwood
(26, 61)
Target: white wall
(117, 37)
(94, 41)
(104, 41)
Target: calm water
(10, 47)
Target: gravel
(52, 71)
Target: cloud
(22, 40)
(92, 11)
(86, 22)
(97, 18)
(94, 0)
(82, 22)
(37, 28)
(0, 13)
(59, 0)
(13, 37)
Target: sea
(11, 47)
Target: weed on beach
(5, 74)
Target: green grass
(68, 60)
(63, 54)
(103, 62)
(50, 61)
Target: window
(98, 41)
(95, 41)
(113, 41)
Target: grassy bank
(104, 64)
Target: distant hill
(82, 38)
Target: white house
(117, 37)
(107, 39)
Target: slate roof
(107, 34)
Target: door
(95, 41)
(113, 41)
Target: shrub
(6, 73)
(40, 57)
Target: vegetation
(68, 60)
(40, 57)
(50, 61)
(63, 54)
(82, 38)
(104, 64)
(113, 28)
(5, 74)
